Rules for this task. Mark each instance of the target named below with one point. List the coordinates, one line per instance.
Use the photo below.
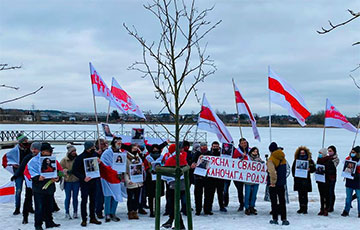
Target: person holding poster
(132, 188)
(110, 199)
(332, 182)
(276, 166)
(303, 185)
(152, 160)
(252, 189)
(240, 153)
(353, 184)
(44, 198)
(87, 184)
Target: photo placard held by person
(301, 169)
(48, 167)
(136, 173)
(202, 167)
(227, 150)
(106, 130)
(91, 166)
(119, 162)
(320, 173)
(349, 169)
(153, 168)
(137, 136)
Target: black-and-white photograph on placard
(320, 173)
(202, 167)
(349, 169)
(301, 168)
(119, 162)
(137, 136)
(91, 167)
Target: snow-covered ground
(289, 138)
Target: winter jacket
(67, 165)
(276, 166)
(355, 183)
(330, 169)
(131, 159)
(20, 171)
(303, 184)
(78, 169)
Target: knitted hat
(70, 148)
(323, 151)
(35, 145)
(21, 138)
(46, 147)
(203, 144)
(273, 147)
(88, 145)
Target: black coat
(78, 167)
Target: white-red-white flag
(127, 103)
(333, 118)
(243, 108)
(283, 94)
(209, 121)
(102, 90)
(7, 192)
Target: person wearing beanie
(171, 162)
(19, 152)
(27, 208)
(332, 152)
(276, 166)
(324, 188)
(353, 185)
(71, 182)
(303, 185)
(43, 198)
(87, 184)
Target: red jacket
(170, 157)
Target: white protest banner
(320, 173)
(301, 169)
(237, 170)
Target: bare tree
(4, 67)
(332, 27)
(177, 62)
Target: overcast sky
(55, 40)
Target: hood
(297, 152)
(278, 157)
(172, 148)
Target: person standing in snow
(353, 184)
(332, 180)
(276, 166)
(303, 185)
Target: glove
(13, 178)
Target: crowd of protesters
(141, 195)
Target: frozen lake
(289, 138)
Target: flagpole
(197, 122)
(269, 106)
(357, 131)
(323, 140)
(108, 112)
(96, 117)
(237, 110)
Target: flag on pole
(7, 192)
(283, 94)
(209, 121)
(127, 103)
(333, 118)
(243, 108)
(102, 90)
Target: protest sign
(119, 162)
(349, 169)
(48, 167)
(301, 168)
(91, 166)
(320, 173)
(136, 173)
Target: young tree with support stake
(176, 64)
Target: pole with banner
(96, 117)
(237, 110)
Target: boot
(25, 220)
(321, 213)
(142, 211)
(95, 221)
(114, 218)
(345, 213)
(100, 215)
(136, 216)
(83, 223)
(107, 218)
(253, 210)
(247, 212)
(16, 212)
(168, 224)
(52, 224)
(326, 212)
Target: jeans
(43, 208)
(88, 190)
(71, 188)
(250, 195)
(110, 205)
(99, 201)
(133, 199)
(277, 197)
(349, 192)
(18, 186)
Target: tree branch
(7, 67)
(356, 84)
(332, 27)
(18, 98)
(9, 87)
